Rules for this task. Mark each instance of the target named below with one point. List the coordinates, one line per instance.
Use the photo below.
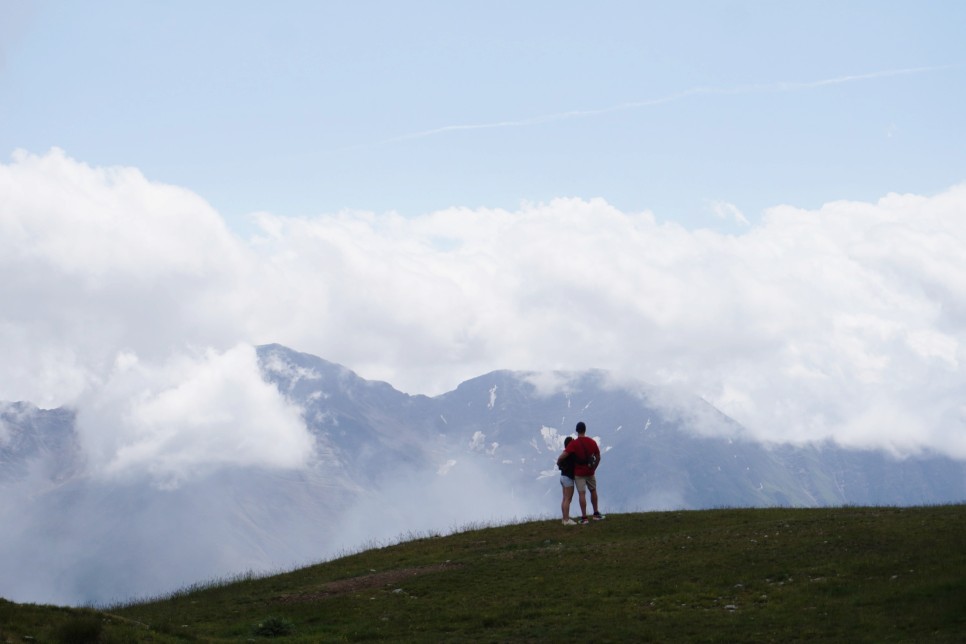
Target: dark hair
(581, 428)
(567, 440)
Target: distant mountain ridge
(385, 462)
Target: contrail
(670, 98)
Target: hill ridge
(862, 574)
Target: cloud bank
(133, 301)
(183, 419)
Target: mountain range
(386, 464)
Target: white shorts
(566, 481)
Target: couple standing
(577, 464)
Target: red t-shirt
(582, 447)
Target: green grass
(749, 575)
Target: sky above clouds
(762, 203)
(304, 108)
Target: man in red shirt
(587, 454)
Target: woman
(566, 464)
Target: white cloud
(100, 260)
(728, 212)
(188, 416)
(801, 327)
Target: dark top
(567, 465)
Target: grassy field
(746, 575)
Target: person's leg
(568, 496)
(581, 483)
(592, 484)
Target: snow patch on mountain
(552, 438)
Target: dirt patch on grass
(364, 582)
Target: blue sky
(305, 108)
(762, 203)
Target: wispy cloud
(728, 212)
(783, 86)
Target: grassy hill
(746, 575)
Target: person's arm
(560, 459)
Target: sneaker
(598, 516)
(570, 522)
(582, 520)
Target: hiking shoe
(582, 520)
(598, 516)
(570, 522)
